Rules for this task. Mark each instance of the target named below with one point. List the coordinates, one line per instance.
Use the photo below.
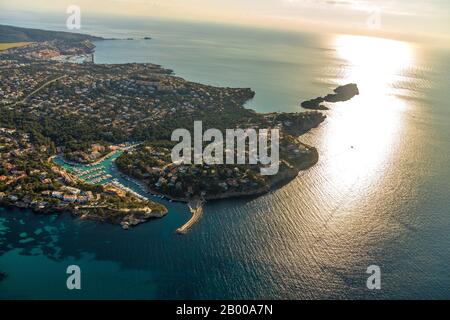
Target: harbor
(105, 173)
(99, 173)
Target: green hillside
(16, 34)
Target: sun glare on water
(362, 133)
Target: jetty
(196, 208)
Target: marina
(106, 172)
(99, 173)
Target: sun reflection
(374, 62)
(362, 133)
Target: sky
(409, 18)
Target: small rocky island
(341, 93)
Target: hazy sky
(410, 17)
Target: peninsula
(84, 111)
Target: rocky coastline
(124, 217)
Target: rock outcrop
(341, 93)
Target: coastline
(277, 181)
(132, 217)
(196, 205)
(286, 174)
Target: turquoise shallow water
(379, 194)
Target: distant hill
(17, 34)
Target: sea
(379, 195)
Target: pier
(196, 207)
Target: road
(38, 89)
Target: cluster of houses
(148, 83)
(47, 50)
(172, 178)
(17, 83)
(70, 195)
(117, 96)
(66, 196)
(11, 173)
